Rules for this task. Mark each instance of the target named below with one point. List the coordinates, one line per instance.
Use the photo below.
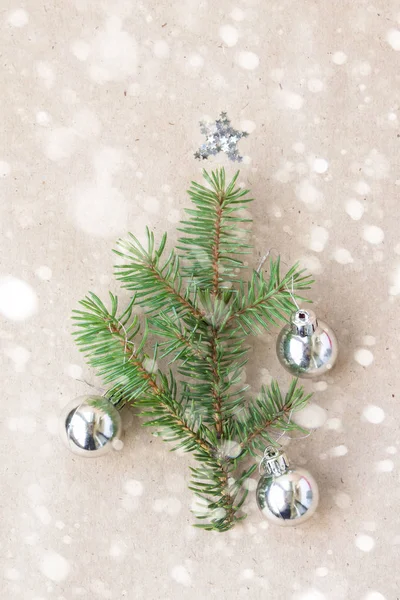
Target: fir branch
(184, 344)
(215, 383)
(203, 330)
(107, 341)
(214, 235)
(157, 284)
(265, 303)
(270, 412)
(219, 496)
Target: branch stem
(286, 410)
(159, 392)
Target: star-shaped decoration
(220, 137)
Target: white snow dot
(320, 386)
(384, 466)
(31, 539)
(113, 53)
(100, 210)
(44, 273)
(250, 484)
(74, 371)
(161, 49)
(308, 193)
(376, 165)
(334, 423)
(230, 448)
(298, 147)
(181, 575)
(19, 355)
(364, 69)
(364, 357)
(369, 340)
(374, 596)
(151, 204)
(365, 542)
(18, 300)
(12, 574)
(5, 168)
(54, 566)
(133, 487)
(369, 526)
(173, 215)
(394, 289)
(42, 514)
(69, 96)
(60, 143)
(393, 38)
(247, 60)
(354, 209)
(339, 58)
(80, 49)
(86, 124)
(247, 574)
(321, 572)
(229, 35)
(117, 444)
(171, 506)
(374, 414)
(196, 61)
(373, 234)
(46, 72)
(43, 118)
(18, 18)
(277, 75)
(311, 416)
(340, 450)
(320, 165)
(391, 450)
(312, 264)
(52, 424)
(315, 85)
(150, 365)
(342, 256)
(362, 187)
(248, 126)
(342, 500)
(288, 99)
(319, 238)
(237, 14)
(118, 549)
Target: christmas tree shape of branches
(197, 315)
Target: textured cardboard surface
(100, 109)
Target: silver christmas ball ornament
(307, 347)
(286, 495)
(90, 425)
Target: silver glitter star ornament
(220, 137)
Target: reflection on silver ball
(307, 347)
(286, 496)
(90, 424)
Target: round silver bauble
(286, 495)
(90, 425)
(307, 347)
